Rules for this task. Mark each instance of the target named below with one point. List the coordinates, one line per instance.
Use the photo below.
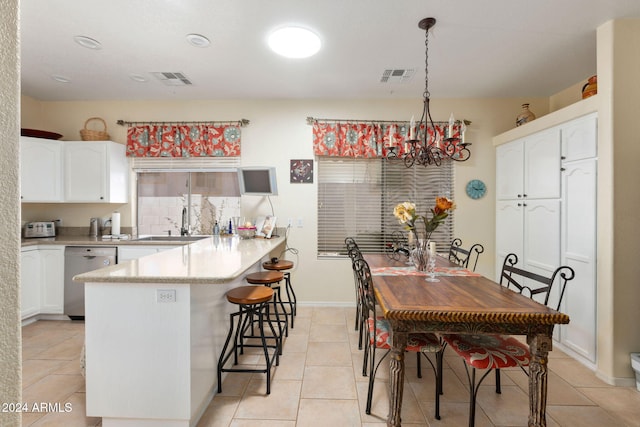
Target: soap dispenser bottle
(216, 229)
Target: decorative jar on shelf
(525, 115)
(590, 88)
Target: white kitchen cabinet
(529, 168)
(579, 235)
(29, 282)
(129, 252)
(528, 201)
(51, 279)
(546, 195)
(40, 170)
(95, 172)
(41, 280)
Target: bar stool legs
(272, 279)
(281, 265)
(253, 302)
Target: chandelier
(428, 147)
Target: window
(356, 198)
(208, 197)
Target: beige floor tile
(262, 423)
(581, 416)
(35, 370)
(329, 316)
(291, 366)
(510, 408)
(295, 343)
(560, 392)
(328, 333)
(575, 373)
(620, 402)
(220, 411)
(411, 411)
(281, 404)
(327, 412)
(53, 388)
(328, 382)
(74, 414)
(328, 354)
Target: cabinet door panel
(85, 166)
(542, 238)
(509, 224)
(40, 170)
(29, 283)
(542, 165)
(579, 138)
(509, 170)
(52, 280)
(579, 252)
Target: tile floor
(319, 383)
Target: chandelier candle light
(428, 147)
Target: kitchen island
(155, 326)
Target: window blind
(356, 198)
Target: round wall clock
(476, 189)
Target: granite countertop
(99, 241)
(214, 259)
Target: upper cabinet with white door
(95, 172)
(40, 170)
(529, 167)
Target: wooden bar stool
(253, 307)
(272, 279)
(281, 265)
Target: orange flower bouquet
(406, 214)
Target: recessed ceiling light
(198, 40)
(88, 42)
(60, 79)
(294, 42)
(138, 78)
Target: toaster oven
(39, 229)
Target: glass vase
(431, 267)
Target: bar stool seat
(253, 302)
(283, 265)
(272, 279)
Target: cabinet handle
(562, 169)
(524, 195)
(563, 157)
(519, 204)
(101, 197)
(519, 195)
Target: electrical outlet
(165, 295)
(300, 222)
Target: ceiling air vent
(173, 79)
(396, 75)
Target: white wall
(278, 132)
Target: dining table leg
(396, 376)
(539, 346)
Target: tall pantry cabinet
(546, 215)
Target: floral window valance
(342, 138)
(184, 139)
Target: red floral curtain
(188, 140)
(370, 140)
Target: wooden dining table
(460, 302)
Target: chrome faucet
(184, 230)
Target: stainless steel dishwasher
(82, 259)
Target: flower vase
(420, 254)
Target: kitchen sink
(170, 238)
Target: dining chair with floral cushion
(379, 337)
(494, 352)
(354, 253)
(462, 256)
